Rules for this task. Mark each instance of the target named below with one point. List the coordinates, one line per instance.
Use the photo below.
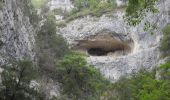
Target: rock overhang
(144, 53)
(105, 43)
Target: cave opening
(97, 52)
(104, 45)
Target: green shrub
(51, 46)
(38, 3)
(166, 29)
(80, 80)
(137, 10)
(83, 82)
(142, 86)
(90, 7)
(165, 74)
(61, 24)
(29, 11)
(1, 4)
(16, 81)
(165, 42)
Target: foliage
(16, 82)
(51, 46)
(143, 86)
(30, 12)
(166, 29)
(41, 5)
(80, 80)
(1, 4)
(137, 9)
(92, 4)
(38, 3)
(165, 42)
(165, 70)
(90, 7)
(61, 24)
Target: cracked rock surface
(145, 54)
(16, 33)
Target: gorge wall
(17, 39)
(16, 32)
(113, 47)
(144, 53)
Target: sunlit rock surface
(145, 53)
(16, 33)
(61, 4)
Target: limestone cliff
(16, 32)
(113, 47)
(144, 52)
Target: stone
(145, 54)
(16, 33)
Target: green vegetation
(29, 11)
(165, 42)
(61, 24)
(38, 3)
(92, 4)
(1, 4)
(50, 46)
(143, 86)
(137, 9)
(165, 74)
(80, 80)
(16, 81)
(89, 7)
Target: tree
(165, 42)
(50, 45)
(143, 86)
(29, 11)
(16, 81)
(80, 80)
(165, 70)
(137, 9)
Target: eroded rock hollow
(105, 44)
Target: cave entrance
(104, 45)
(97, 52)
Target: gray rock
(16, 33)
(145, 54)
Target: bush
(29, 11)
(16, 81)
(61, 24)
(51, 46)
(91, 4)
(80, 80)
(143, 86)
(38, 3)
(165, 42)
(83, 82)
(1, 4)
(90, 7)
(165, 68)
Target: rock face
(145, 53)
(60, 4)
(121, 2)
(16, 32)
